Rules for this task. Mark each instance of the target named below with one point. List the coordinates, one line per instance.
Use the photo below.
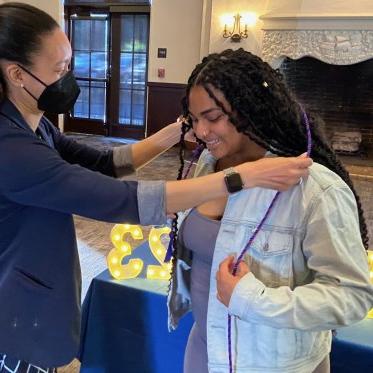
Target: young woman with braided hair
(46, 178)
(283, 269)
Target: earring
(22, 85)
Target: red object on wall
(161, 72)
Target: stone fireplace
(328, 63)
(342, 95)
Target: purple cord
(195, 155)
(258, 228)
(307, 125)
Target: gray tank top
(199, 235)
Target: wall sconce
(240, 21)
(236, 34)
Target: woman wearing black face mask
(45, 178)
(58, 97)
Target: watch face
(233, 182)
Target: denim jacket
(308, 275)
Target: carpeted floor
(93, 236)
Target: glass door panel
(133, 68)
(110, 62)
(89, 39)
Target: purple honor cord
(258, 228)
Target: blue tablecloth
(352, 349)
(124, 326)
(124, 330)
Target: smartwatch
(232, 180)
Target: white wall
(284, 7)
(320, 6)
(175, 25)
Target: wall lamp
(235, 34)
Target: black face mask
(58, 97)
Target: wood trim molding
(82, 125)
(167, 85)
(164, 104)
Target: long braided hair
(263, 109)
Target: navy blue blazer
(42, 183)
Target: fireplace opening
(342, 95)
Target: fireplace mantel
(337, 39)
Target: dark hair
(264, 109)
(21, 29)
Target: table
(124, 326)
(124, 330)
(352, 349)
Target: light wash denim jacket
(309, 274)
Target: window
(90, 65)
(133, 66)
(110, 62)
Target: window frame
(111, 126)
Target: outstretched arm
(129, 158)
(146, 150)
(273, 173)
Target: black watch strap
(232, 180)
